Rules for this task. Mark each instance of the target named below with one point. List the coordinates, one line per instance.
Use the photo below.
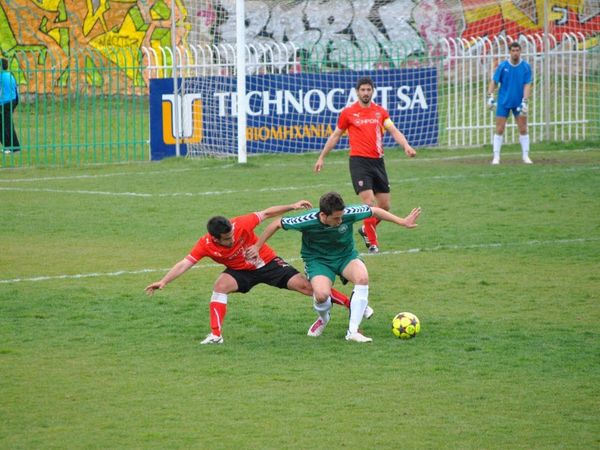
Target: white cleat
(317, 328)
(363, 235)
(373, 249)
(212, 339)
(495, 161)
(368, 312)
(526, 160)
(357, 337)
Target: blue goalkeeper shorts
(501, 111)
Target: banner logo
(190, 118)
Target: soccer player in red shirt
(366, 122)
(227, 242)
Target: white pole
(240, 27)
(546, 78)
(176, 107)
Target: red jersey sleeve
(343, 123)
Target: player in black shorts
(365, 122)
(227, 243)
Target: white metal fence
(565, 103)
(562, 88)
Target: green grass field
(503, 271)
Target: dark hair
(514, 44)
(4, 63)
(331, 202)
(217, 226)
(364, 80)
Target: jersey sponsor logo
(299, 219)
(359, 122)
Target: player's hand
(410, 152)
(491, 102)
(302, 204)
(524, 108)
(318, 165)
(251, 253)
(153, 287)
(411, 219)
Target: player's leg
(321, 285)
(321, 278)
(356, 271)
(301, 284)
(383, 201)
(224, 285)
(361, 174)
(501, 116)
(523, 137)
(368, 230)
(381, 192)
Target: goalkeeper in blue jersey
(514, 77)
(328, 251)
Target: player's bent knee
(321, 296)
(300, 284)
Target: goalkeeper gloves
(491, 102)
(524, 108)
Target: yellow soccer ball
(405, 325)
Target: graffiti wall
(97, 33)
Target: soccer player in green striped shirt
(328, 250)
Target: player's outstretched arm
(329, 145)
(177, 270)
(408, 221)
(400, 139)
(270, 230)
(278, 210)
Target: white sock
(497, 145)
(360, 300)
(322, 309)
(524, 140)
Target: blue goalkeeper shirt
(512, 80)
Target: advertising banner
(286, 112)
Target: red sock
(217, 316)
(339, 298)
(370, 225)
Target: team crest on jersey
(342, 228)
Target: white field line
(278, 189)
(84, 177)
(493, 245)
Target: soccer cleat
(496, 161)
(357, 337)
(363, 235)
(373, 249)
(526, 160)
(212, 339)
(368, 312)
(316, 329)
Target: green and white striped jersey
(320, 241)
